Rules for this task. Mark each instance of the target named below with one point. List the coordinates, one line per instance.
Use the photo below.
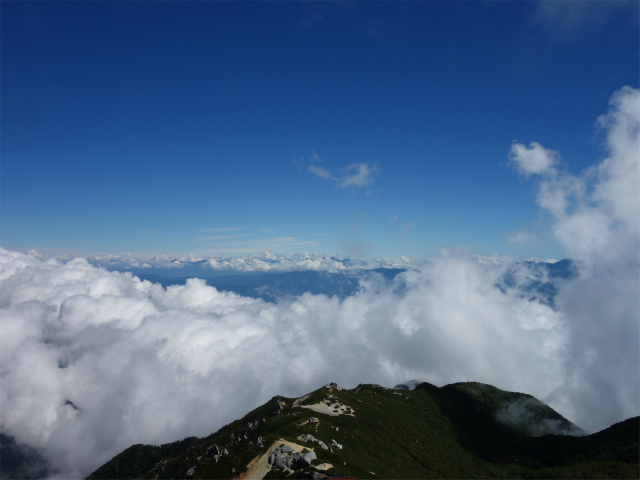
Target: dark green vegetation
(465, 430)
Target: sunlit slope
(465, 430)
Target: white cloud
(619, 174)
(532, 160)
(597, 213)
(321, 172)
(596, 220)
(356, 175)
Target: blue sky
(352, 128)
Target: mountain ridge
(454, 431)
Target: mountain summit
(462, 430)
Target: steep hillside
(465, 430)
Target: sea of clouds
(93, 361)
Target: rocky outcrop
(284, 457)
(309, 420)
(306, 459)
(309, 438)
(280, 407)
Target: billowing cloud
(596, 219)
(145, 364)
(596, 213)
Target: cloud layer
(147, 364)
(144, 364)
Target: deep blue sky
(177, 127)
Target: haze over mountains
(539, 283)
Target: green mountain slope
(465, 430)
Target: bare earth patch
(322, 407)
(297, 401)
(259, 466)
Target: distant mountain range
(541, 281)
(272, 286)
(463, 430)
(265, 262)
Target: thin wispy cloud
(356, 175)
(254, 240)
(406, 231)
(321, 172)
(219, 229)
(522, 237)
(208, 238)
(566, 19)
(285, 241)
(243, 244)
